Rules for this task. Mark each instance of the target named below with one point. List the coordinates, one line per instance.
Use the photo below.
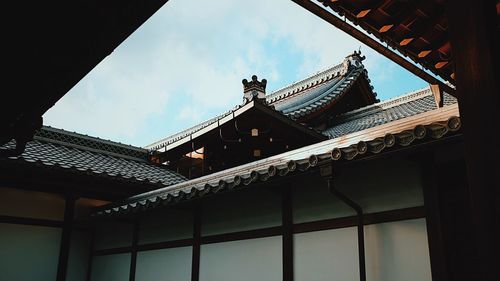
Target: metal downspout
(361, 232)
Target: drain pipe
(327, 173)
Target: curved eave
(300, 160)
(324, 101)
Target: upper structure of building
(331, 106)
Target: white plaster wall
(28, 253)
(79, 253)
(397, 251)
(326, 255)
(111, 268)
(246, 260)
(164, 265)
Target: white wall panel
(326, 255)
(245, 260)
(28, 253)
(397, 251)
(111, 268)
(164, 265)
(78, 259)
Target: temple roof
(298, 100)
(321, 90)
(384, 112)
(424, 127)
(72, 152)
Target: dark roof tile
(384, 112)
(89, 155)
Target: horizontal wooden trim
(242, 235)
(372, 218)
(112, 251)
(395, 215)
(166, 245)
(30, 221)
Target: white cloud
(188, 61)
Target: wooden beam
(363, 13)
(406, 41)
(166, 245)
(386, 28)
(195, 263)
(441, 64)
(438, 95)
(30, 221)
(91, 255)
(434, 222)
(67, 229)
(287, 233)
(346, 27)
(133, 253)
(241, 235)
(474, 39)
(424, 53)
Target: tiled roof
(214, 124)
(310, 95)
(422, 128)
(59, 149)
(298, 99)
(384, 112)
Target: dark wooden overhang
(233, 132)
(416, 29)
(52, 45)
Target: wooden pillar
(195, 264)
(287, 233)
(91, 254)
(133, 252)
(433, 218)
(69, 210)
(474, 35)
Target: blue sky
(186, 63)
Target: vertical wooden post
(133, 252)
(287, 233)
(474, 39)
(195, 264)
(62, 266)
(91, 254)
(433, 218)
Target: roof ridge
(315, 77)
(392, 102)
(172, 138)
(81, 141)
(350, 64)
(353, 60)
